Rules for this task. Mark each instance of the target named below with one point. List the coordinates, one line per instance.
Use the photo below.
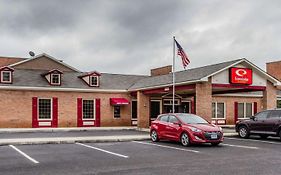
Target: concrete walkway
(24, 136)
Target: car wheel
(185, 139)
(280, 134)
(263, 136)
(215, 144)
(243, 132)
(154, 136)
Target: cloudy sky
(133, 36)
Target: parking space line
(102, 150)
(25, 155)
(240, 146)
(252, 140)
(170, 147)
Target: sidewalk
(24, 136)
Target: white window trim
(91, 82)
(177, 101)
(50, 119)
(94, 111)
(51, 81)
(245, 112)
(216, 109)
(3, 81)
(113, 114)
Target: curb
(68, 140)
(29, 130)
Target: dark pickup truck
(265, 123)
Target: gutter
(26, 88)
(165, 85)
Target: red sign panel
(241, 76)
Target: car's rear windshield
(191, 119)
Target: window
(117, 112)
(262, 115)
(275, 114)
(55, 79)
(170, 101)
(88, 109)
(278, 104)
(218, 110)
(94, 81)
(45, 109)
(6, 76)
(173, 119)
(245, 110)
(164, 118)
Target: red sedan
(186, 128)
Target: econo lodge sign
(241, 76)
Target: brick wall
(143, 110)
(42, 63)
(203, 100)
(273, 69)
(269, 96)
(229, 105)
(161, 70)
(16, 108)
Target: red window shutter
(34, 112)
(97, 122)
(235, 112)
(55, 112)
(79, 112)
(255, 107)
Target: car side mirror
(177, 123)
(253, 118)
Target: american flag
(185, 60)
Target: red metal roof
(119, 101)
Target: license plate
(214, 136)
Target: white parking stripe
(252, 140)
(240, 146)
(109, 152)
(164, 146)
(25, 155)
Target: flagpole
(174, 74)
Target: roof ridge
(212, 64)
(125, 74)
(11, 57)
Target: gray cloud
(131, 36)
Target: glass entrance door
(185, 107)
(169, 109)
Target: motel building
(46, 92)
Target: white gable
(223, 77)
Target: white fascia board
(165, 85)
(46, 55)
(26, 88)
(238, 95)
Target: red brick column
(269, 96)
(203, 100)
(143, 110)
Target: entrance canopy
(119, 101)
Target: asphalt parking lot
(234, 156)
